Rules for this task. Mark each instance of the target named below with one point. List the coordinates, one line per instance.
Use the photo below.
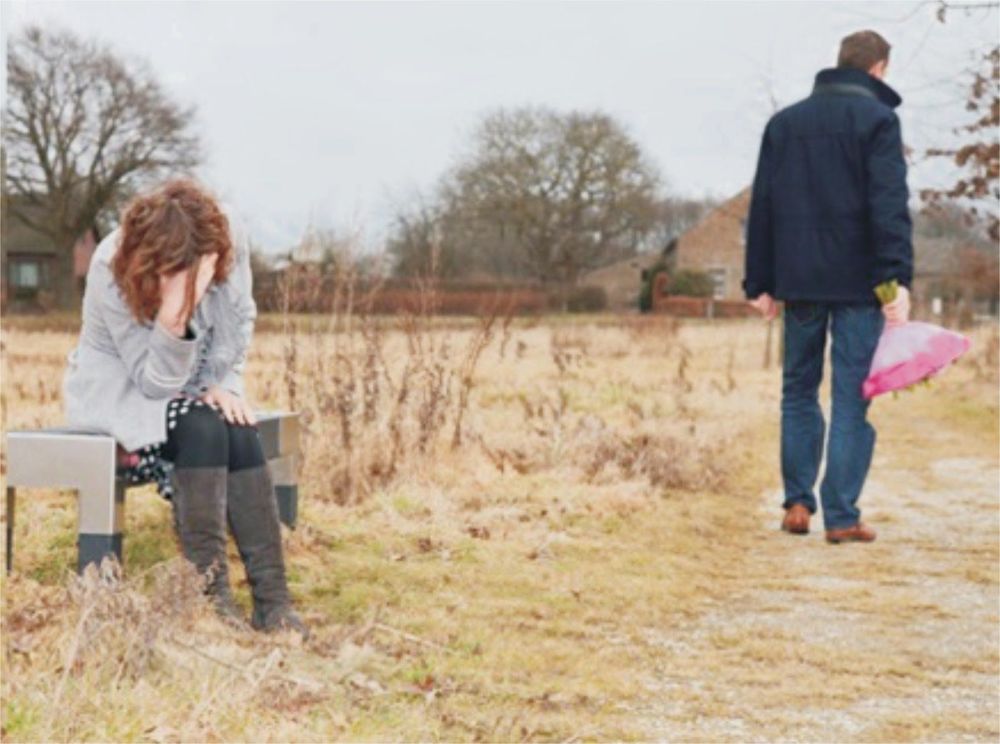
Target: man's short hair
(862, 49)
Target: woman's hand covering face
(173, 289)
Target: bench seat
(88, 464)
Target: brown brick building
(622, 280)
(36, 272)
(716, 247)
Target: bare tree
(557, 193)
(965, 264)
(977, 153)
(416, 244)
(82, 129)
(675, 215)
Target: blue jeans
(855, 330)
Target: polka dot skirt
(150, 466)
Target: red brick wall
(701, 307)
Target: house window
(718, 277)
(25, 274)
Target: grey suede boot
(253, 518)
(200, 518)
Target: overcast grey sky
(334, 113)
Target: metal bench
(87, 464)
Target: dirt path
(893, 641)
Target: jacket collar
(842, 79)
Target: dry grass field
(560, 529)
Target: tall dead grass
(495, 512)
(145, 658)
(369, 406)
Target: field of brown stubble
(545, 530)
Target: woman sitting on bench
(167, 319)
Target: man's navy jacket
(828, 211)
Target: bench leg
(288, 504)
(102, 513)
(286, 489)
(11, 499)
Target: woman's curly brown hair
(166, 231)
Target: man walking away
(828, 223)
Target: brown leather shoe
(796, 520)
(858, 533)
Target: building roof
(735, 207)
(621, 280)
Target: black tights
(202, 438)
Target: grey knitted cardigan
(123, 372)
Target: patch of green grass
(19, 717)
(54, 563)
(408, 507)
(147, 547)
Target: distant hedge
(587, 299)
(689, 283)
(314, 294)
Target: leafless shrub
(371, 402)
(289, 348)
(652, 334)
(104, 638)
(553, 434)
(371, 333)
(435, 393)
(480, 340)
(568, 349)
(515, 458)
(544, 421)
(117, 621)
(102, 628)
(506, 333)
(728, 383)
(664, 461)
(985, 360)
(681, 380)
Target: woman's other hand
(233, 408)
